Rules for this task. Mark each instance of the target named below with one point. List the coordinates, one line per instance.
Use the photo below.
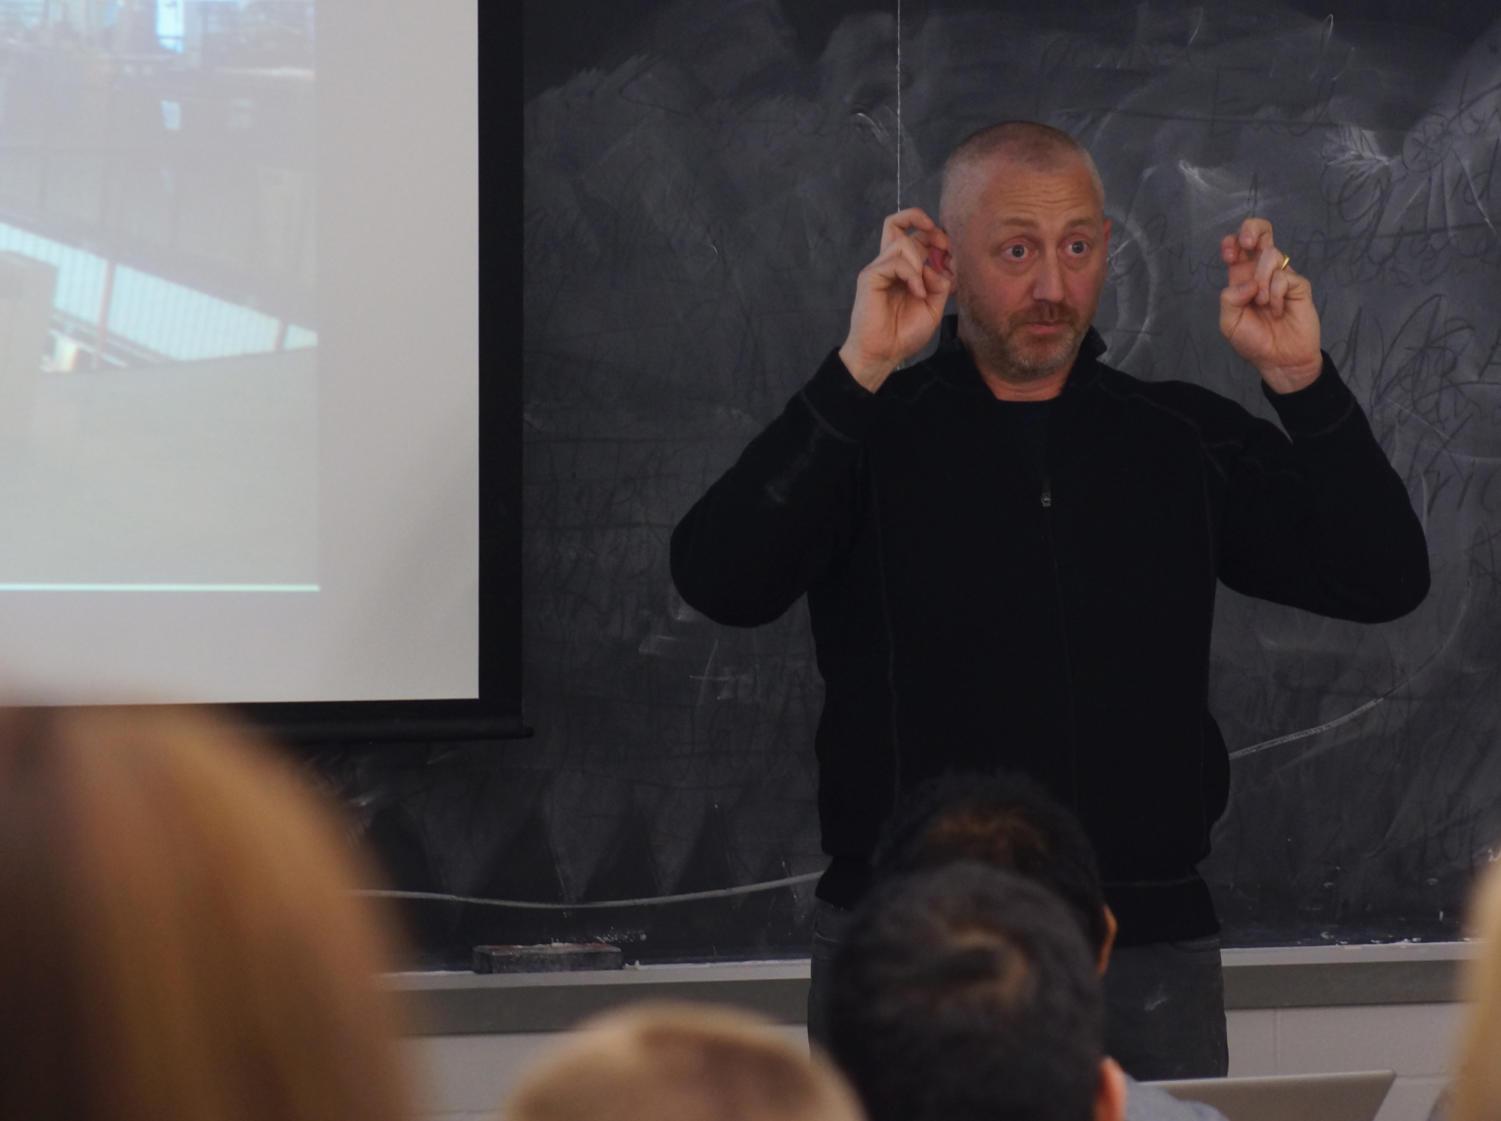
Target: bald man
(1011, 549)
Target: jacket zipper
(1068, 667)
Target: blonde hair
(679, 1062)
(1477, 1075)
(179, 940)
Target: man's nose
(1047, 281)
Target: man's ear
(1111, 929)
(1110, 1097)
(1107, 229)
(950, 262)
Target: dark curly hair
(967, 994)
(1007, 821)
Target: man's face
(1030, 258)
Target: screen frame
(497, 711)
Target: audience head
(1477, 1080)
(671, 1062)
(1008, 822)
(179, 939)
(968, 994)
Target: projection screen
(239, 367)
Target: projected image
(158, 323)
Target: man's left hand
(1266, 309)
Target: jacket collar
(952, 361)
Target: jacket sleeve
(1320, 521)
(784, 513)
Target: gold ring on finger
(1286, 260)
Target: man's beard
(1010, 353)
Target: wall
(1291, 1011)
(464, 1077)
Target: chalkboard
(703, 178)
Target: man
(1008, 822)
(967, 994)
(672, 1062)
(1011, 550)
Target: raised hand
(899, 297)
(1266, 309)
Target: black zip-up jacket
(965, 616)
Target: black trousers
(1164, 1003)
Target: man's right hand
(899, 297)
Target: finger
(910, 275)
(923, 239)
(1255, 233)
(1238, 296)
(1277, 292)
(1233, 303)
(1269, 262)
(934, 243)
(903, 249)
(915, 254)
(1231, 314)
(1229, 250)
(1240, 272)
(1298, 286)
(897, 225)
(938, 287)
(894, 270)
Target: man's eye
(1016, 252)
(1078, 248)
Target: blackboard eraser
(553, 957)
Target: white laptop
(1289, 1097)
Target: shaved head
(1025, 144)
